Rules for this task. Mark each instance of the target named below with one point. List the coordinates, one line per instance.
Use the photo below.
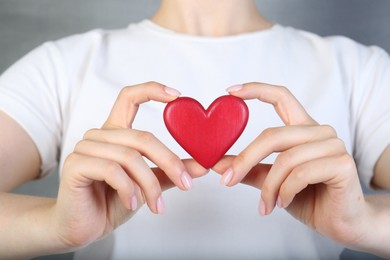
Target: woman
(69, 108)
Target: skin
(312, 174)
(105, 179)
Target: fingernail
(262, 208)
(172, 91)
(227, 177)
(160, 205)
(234, 88)
(134, 202)
(279, 202)
(186, 180)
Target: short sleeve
(29, 93)
(371, 109)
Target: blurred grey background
(25, 24)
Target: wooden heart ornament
(206, 134)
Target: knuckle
(131, 156)
(79, 145)
(283, 93)
(240, 159)
(152, 84)
(126, 186)
(270, 133)
(125, 91)
(112, 167)
(284, 159)
(172, 160)
(329, 130)
(129, 90)
(89, 134)
(128, 153)
(70, 163)
(145, 137)
(70, 160)
(300, 173)
(348, 163)
(338, 144)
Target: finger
(86, 170)
(322, 170)
(134, 165)
(254, 178)
(126, 106)
(149, 146)
(223, 164)
(195, 170)
(286, 105)
(272, 140)
(287, 161)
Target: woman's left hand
(313, 176)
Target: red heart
(206, 134)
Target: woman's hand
(313, 177)
(106, 178)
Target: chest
(204, 78)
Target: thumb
(255, 177)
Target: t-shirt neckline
(150, 26)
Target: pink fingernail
(227, 177)
(160, 205)
(262, 207)
(279, 202)
(134, 202)
(172, 91)
(186, 180)
(234, 88)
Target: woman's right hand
(106, 178)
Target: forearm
(376, 237)
(27, 227)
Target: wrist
(374, 230)
(28, 229)
(60, 243)
(43, 232)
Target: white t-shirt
(64, 88)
